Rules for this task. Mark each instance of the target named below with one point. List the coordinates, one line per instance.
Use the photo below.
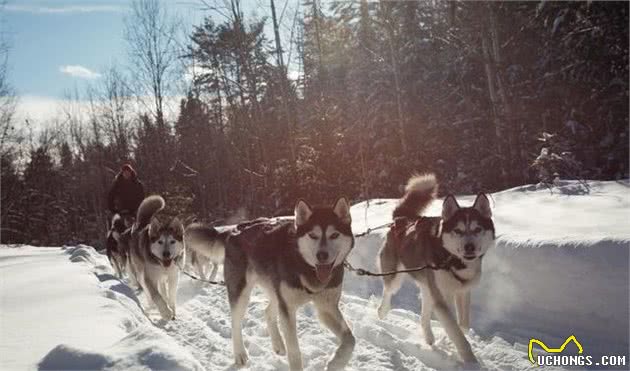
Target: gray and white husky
(454, 243)
(204, 246)
(155, 250)
(294, 263)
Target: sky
(59, 46)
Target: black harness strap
(363, 272)
(448, 264)
(370, 230)
(220, 283)
(458, 277)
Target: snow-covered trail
(77, 315)
(203, 326)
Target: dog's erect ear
(154, 228)
(128, 221)
(342, 210)
(302, 212)
(213, 231)
(482, 204)
(450, 207)
(177, 227)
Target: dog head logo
(551, 350)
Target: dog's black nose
(469, 248)
(322, 256)
(166, 254)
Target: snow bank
(58, 315)
(560, 266)
(530, 216)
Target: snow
(534, 215)
(62, 308)
(560, 267)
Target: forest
(331, 98)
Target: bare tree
(151, 35)
(8, 100)
(73, 116)
(113, 106)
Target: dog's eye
(313, 236)
(334, 236)
(161, 242)
(458, 231)
(172, 242)
(477, 230)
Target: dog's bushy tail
(147, 209)
(419, 192)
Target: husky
(116, 252)
(204, 246)
(295, 262)
(155, 252)
(452, 246)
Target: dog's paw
(337, 363)
(240, 358)
(429, 338)
(296, 366)
(166, 314)
(279, 348)
(383, 309)
(472, 364)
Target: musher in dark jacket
(126, 193)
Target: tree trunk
(282, 71)
(402, 132)
(489, 46)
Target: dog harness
(451, 263)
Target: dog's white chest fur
(468, 277)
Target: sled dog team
(301, 260)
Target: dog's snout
(469, 248)
(166, 254)
(322, 256)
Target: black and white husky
(116, 251)
(294, 263)
(204, 246)
(155, 251)
(454, 243)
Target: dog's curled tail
(419, 192)
(147, 209)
